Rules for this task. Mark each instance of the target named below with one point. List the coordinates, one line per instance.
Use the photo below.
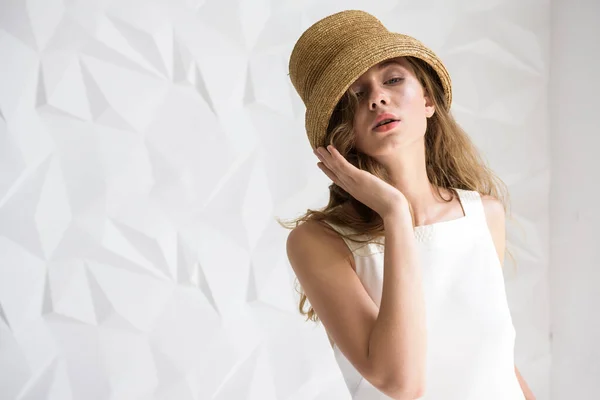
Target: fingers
(331, 163)
(326, 160)
(329, 156)
(328, 172)
(325, 163)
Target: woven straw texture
(335, 51)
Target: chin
(389, 144)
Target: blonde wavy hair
(452, 161)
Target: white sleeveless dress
(470, 334)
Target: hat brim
(350, 64)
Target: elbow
(405, 394)
(400, 382)
(403, 391)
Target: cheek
(413, 97)
(360, 128)
(360, 121)
(419, 100)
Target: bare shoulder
(324, 266)
(496, 219)
(494, 209)
(316, 239)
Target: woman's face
(389, 87)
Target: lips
(385, 121)
(386, 127)
(383, 118)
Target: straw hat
(335, 51)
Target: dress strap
(342, 230)
(471, 203)
(357, 248)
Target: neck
(407, 173)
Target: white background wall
(147, 146)
(574, 234)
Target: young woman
(403, 266)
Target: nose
(379, 97)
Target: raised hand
(365, 187)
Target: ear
(429, 107)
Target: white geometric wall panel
(574, 235)
(146, 148)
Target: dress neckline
(426, 232)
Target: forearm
(524, 387)
(397, 344)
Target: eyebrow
(384, 64)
